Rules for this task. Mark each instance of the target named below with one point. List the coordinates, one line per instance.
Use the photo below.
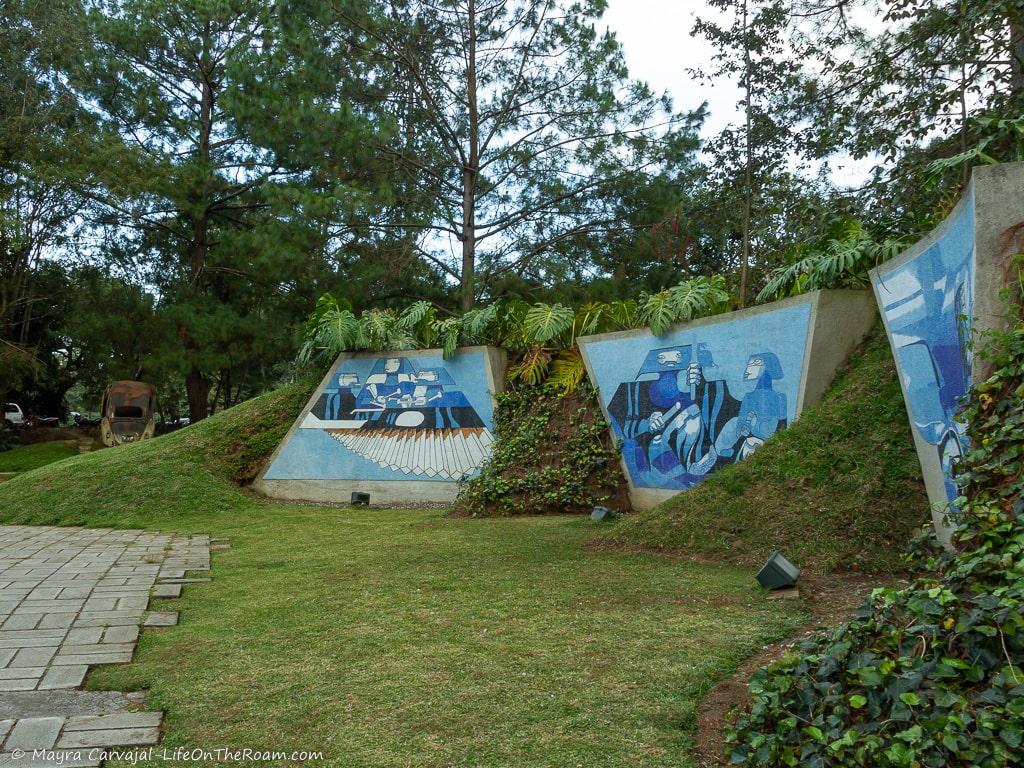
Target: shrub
(540, 337)
(8, 439)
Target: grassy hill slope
(27, 457)
(160, 478)
(841, 487)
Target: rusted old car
(127, 413)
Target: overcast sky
(655, 35)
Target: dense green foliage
(541, 337)
(930, 675)
(840, 488)
(840, 259)
(528, 126)
(42, 131)
(180, 180)
(552, 454)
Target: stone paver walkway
(71, 598)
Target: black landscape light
(778, 572)
(360, 499)
(601, 513)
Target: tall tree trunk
(225, 385)
(470, 170)
(747, 181)
(1016, 24)
(965, 167)
(467, 279)
(197, 389)
(197, 386)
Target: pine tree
(42, 128)
(216, 222)
(751, 173)
(512, 119)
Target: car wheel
(8, 424)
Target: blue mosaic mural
(684, 404)
(928, 303)
(394, 418)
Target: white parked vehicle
(13, 416)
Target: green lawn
(37, 455)
(404, 638)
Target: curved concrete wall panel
(404, 427)
(709, 393)
(937, 296)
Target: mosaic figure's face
(754, 369)
(392, 365)
(670, 358)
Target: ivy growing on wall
(931, 675)
(553, 454)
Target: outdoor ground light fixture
(778, 572)
(360, 499)
(601, 513)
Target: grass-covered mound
(162, 477)
(840, 488)
(26, 457)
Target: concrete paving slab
(71, 598)
(113, 722)
(114, 738)
(160, 619)
(34, 733)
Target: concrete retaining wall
(404, 427)
(937, 296)
(710, 392)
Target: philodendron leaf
(545, 322)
